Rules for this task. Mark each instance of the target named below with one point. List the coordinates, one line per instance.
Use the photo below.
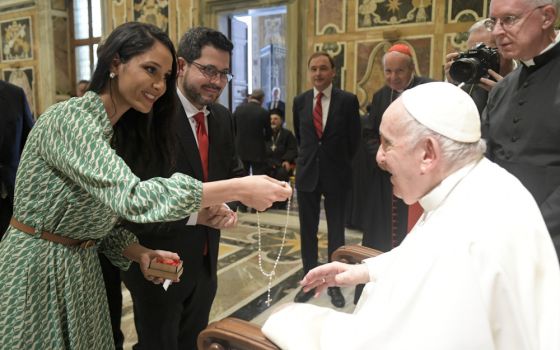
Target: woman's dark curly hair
(140, 138)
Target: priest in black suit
(327, 128)
(15, 123)
(388, 215)
(173, 319)
(521, 120)
(281, 152)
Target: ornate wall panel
(118, 14)
(64, 85)
(15, 5)
(155, 12)
(16, 39)
(369, 65)
(172, 16)
(466, 10)
(60, 5)
(376, 13)
(337, 50)
(330, 16)
(23, 77)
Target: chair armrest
(354, 254)
(233, 333)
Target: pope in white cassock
(478, 271)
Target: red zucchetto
(402, 48)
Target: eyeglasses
(211, 72)
(507, 22)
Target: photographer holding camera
(480, 67)
(521, 121)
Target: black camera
(473, 64)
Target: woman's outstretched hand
(260, 191)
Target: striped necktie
(318, 115)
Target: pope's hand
(334, 274)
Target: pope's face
(398, 157)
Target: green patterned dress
(71, 182)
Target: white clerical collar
(531, 62)
(190, 109)
(327, 92)
(437, 195)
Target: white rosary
(271, 274)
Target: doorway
(259, 54)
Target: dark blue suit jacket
(15, 123)
(329, 158)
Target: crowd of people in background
(82, 182)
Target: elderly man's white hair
(449, 115)
(479, 25)
(454, 152)
(556, 3)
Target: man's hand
(334, 274)
(448, 62)
(488, 84)
(286, 165)
(217, 217)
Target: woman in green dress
(72, 188)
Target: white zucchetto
(445, 109)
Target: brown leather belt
(70, 242)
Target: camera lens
(465, 70)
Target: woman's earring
(112, 75)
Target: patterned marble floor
(242, 288)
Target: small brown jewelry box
(166, 268)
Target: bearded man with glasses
(205, 150)
(522, 118)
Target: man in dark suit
(281, 152)
(327, 128)
(15, 122)
(276, 102)
(173, 319)
(252, 129)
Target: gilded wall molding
(466, 10)
(337, 50)
(378, 13)
(368, 73)
(15, 5)
(330, 16)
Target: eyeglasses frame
(222, 73)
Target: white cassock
(478, 271)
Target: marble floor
(242, 288)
